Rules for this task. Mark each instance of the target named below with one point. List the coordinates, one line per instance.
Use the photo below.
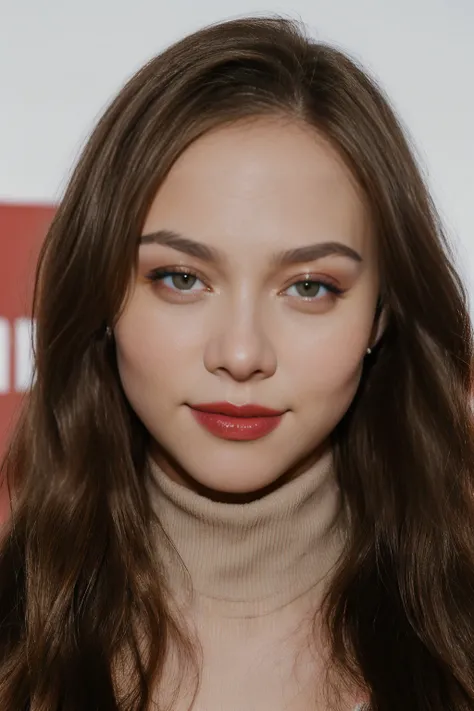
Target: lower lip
(237, 428)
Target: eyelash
(157, 275)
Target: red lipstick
(236, 422)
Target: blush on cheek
(343, 363)
(337, 379)
(143, 367)
(336, 395)
(144, 388)
(348, 385)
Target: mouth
(234, 422)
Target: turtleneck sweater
(250, 587)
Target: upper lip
(226, 408)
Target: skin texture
(243, 330)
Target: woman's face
(272, 304)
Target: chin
(235, 487)
(225, 474)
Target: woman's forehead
(241, 188)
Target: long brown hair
(79, 575)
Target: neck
(249, 559)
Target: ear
(380, 322)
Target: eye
(175, 280)
(311, 289)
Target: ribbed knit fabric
(258, 571)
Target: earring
(369, 351)
(108, 332)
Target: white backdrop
(62, 61)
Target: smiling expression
(256, 282)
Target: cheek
(153, 347)
(329, 375)
(328, 363)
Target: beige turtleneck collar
(247, 560)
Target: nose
(238, 346)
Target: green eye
(310, 288)
(177, 280)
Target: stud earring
(369, 351)
(108, 332)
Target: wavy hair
(80, 583)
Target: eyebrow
(307, 253)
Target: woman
(243, 476)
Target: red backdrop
(22, 230)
